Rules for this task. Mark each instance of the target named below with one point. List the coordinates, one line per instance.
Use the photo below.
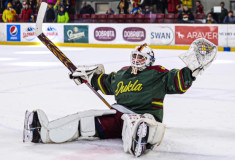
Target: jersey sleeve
(103, 82)
(179, 81)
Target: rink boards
(163, 36)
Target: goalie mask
(141, 58)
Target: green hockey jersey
(144, 92)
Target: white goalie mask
(141, 57)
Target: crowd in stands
(16, 11)
(62, 12)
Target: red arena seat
(139, 18)
(150, 18)
(94, 18)
(112, 18)
(199, 16)
(1, 18)
(85, 18)
(160, 18)
(121, 18)
(170, 16)
(130, 18)
(102, 18)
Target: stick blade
(41, 14)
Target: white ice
(200, 123)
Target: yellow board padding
(108, 45)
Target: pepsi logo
(13, 30)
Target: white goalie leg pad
(132, 121)
(199, 56)
(67, 128)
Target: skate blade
(27, 134)
(141, 135)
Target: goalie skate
(140, 142)
(31, 132)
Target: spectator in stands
(50, 14)
(210, 19)
(6, 3)
(224, 12)
(51, 2)
(214, 15)
(136, 9)
(26, 13)
(110, 11)
(90, 9)
(199, 8)
(123, 7)
(152, 4)
(68, 8)
(62, 17)
(1, 7)
(172, 4)
(161, 6)
(9, 14)
(229, 19)
(147, 10)
(86, 9)
(17, 6)
(186, 16)
(38, 5)
(32, 18)
(57, 7)
(180, 7)
(33, 5)
(138, 2)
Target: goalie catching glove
(199, 56)
(86, 72)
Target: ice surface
(200, 123)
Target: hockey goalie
(139, 90)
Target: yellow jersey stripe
(158, 103)
(99, 83)
(179, 81)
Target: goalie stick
(56, 51)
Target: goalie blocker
(138, 132)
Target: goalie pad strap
(87, 126)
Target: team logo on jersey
(13, 30)
(51, 32)
(29, 34)
(130, 87)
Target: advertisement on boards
(104, 34)
(28, 33)
(227, 35)
(13, 32)
(185, 35)
(76, 34)
(134, 34)
(2, 32)
(162, 35)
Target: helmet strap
(134, 70)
